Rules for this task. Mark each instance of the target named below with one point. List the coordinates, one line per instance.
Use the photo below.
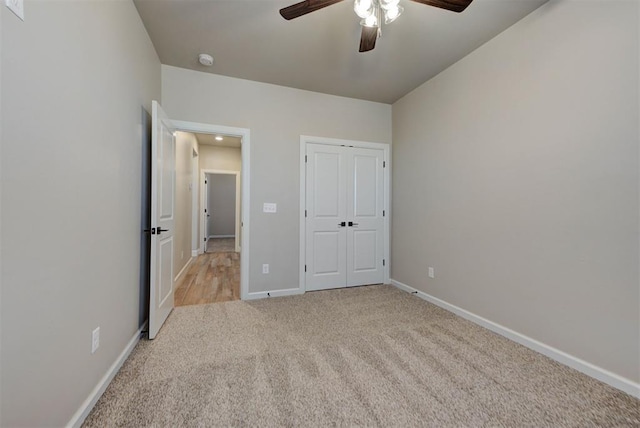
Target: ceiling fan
(371, 12)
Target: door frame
(386, 148)
(204, 198)
(245, 154)
(195, 164)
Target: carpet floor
(367, 356)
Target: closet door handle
(352, 224)
(343, 224)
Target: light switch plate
(95, 340)
(16, 6)
(432, 273)
(269, 207)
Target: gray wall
(276, 116)
(516, 177)
(222, 204)
(185, 144)
(75, 78)
(1, 186)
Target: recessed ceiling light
(218, 138)
(205, 59)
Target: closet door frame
(386, 149)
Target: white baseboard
(78, 418)
(183, 270)
(610, 378)
(194, 253)
(221, 236)
(274, 293)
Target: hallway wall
(222, 204)
(186, 143)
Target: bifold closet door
(344, 217)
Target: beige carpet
(370, 356)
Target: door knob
(160, 230)
(351, 224)
(343, 224)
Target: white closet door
(365, 222)
(326, 238)
(344, 222)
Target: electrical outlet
(432, 273)
(16, 6)
(265, 268)
(95, 340)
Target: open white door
(163, 165)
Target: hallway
(212, 278)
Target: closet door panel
(326, 210)
(365, 204)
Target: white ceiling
(227, 140)
(319, 51)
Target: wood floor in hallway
(212, 278)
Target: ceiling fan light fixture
(392, 14)
(389, 4)
(363, 8)
(371, 21)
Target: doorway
(165, 245)
(220, 216)
(215, 274)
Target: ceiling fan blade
(368, 38)
(304, 7)
(452, 5)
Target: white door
(326, 240)
(344, 223)
(365, 221)
(163, 153)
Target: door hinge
(205, 210)
(383, 213)
(305, 158)
(384, 164)
(383, 262)
(205, 181)
(205, 239)
(305, 268)
(305, 213)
